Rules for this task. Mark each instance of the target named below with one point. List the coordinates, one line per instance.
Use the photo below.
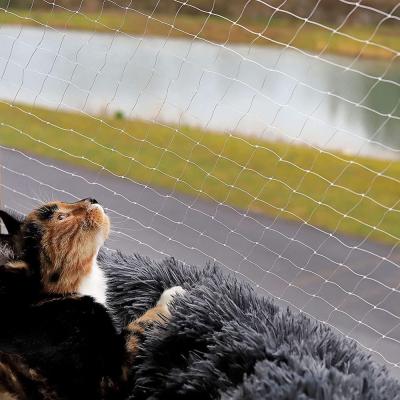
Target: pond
(335, 103)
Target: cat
(58, 340)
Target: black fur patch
(31, 243)
(76, 346)
(54, 277)
(46, 212)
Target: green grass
(221, 168)
(310, 37)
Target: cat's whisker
(115, 233)
(141, 229)
(47, 197)
(121, 224)
(122, 230)
(118, 219)
(19, 207)
(39, 198)
(111, 239)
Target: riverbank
(272, 178)
(349, 41)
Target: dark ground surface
(349, 283)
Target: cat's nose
(91, 201)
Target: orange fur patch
(157, 314)
(132, 345)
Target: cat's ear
(8, 240)
(12, 222)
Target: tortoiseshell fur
(55, 341)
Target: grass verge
(309, 37)
(331, 192)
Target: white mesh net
(280, 162)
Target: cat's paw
(169, 294)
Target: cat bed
(224, 341)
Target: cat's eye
(61, 217)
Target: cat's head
(58, 240)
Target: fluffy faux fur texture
(225, 342)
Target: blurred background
(259, 135)
(330, 12)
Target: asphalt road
(353, 285)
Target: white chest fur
(94, 284)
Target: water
(264, 92)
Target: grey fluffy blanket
(226, 342)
